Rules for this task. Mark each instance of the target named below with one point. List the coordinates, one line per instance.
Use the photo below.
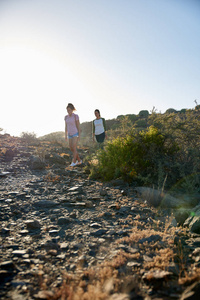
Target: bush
(144, 156)
(171, 111)
(132, 117)
(28, 137)
(183, 111)
(141, 123)
(143, 114)
(168, 152)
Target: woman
(72, 133)
(99, 127)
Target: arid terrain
(65, 236)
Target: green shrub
(143, 114)
(132, 117)
(142, 123)
(141, 156)
(183, 111)
(171, 111)
(166, 153)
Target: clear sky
(120, 56)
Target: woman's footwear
(73, 164)
(79, 162)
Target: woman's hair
(70, 105)
(97, 110)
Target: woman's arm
(65, 131)
(78, 127)
(93, 130)
(104, 125)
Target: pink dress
(71, 123)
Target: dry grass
(101, 281)
(51, 177)
(190, 276)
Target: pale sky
(120, 56)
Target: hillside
(65, 236)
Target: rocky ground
(64, 236)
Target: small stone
(7, 265)
(19, 253)
(52, 252)
(32, 224)
(5, 231)
(64, 220)
(103, 192)
(44, 295)
(133, 264)
(64, 246)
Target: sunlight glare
(35, 81)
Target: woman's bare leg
(73, 147)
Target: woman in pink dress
(72, 133)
